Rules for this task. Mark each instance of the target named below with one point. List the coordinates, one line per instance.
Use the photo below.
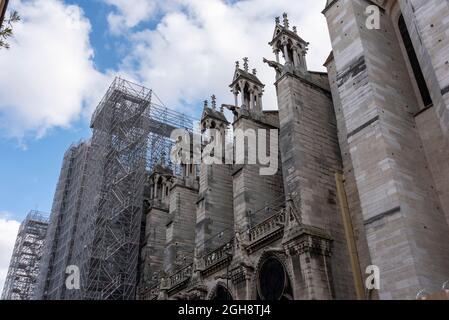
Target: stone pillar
(163, 186)
(180, 234)
(242, 94)
(236, 98)
(309, 162)
(251, 99)
(310, 257)
(252, 191)
(287, 57)
(214, 214)
(302, 55)
(155, 233)
(156, 178)
(296, 62)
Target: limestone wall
(407, 233)
(180, 232)
(214, 208)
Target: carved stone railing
(154, 292)
(265, 228)
(150, 293)
(218, 257)
(180, 276)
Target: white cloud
(8, 233)
(129, 13)
(190, 54)
(47, 78)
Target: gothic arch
(412, 65)
(215, 293)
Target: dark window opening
(273, 281)
(419, 76)
(222, 294)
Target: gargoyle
(231, 108)
(275, 65)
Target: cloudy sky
(65, 54)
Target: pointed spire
(214, 101)
(286, 24)
(277, 20)
(245, 64)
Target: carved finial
(237, 64)
(285, 20)
(205, 103)
(295, 30)
(245, 64)
(222, 108)
(214, 101)
(277, 20)
(254, 71)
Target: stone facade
(386, 135)
(363, 159)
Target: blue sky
(177, 48)
(29, 168)
(28, 177)
(29, 174)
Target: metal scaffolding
(97, 209)
(68, 202)
(130, 135)
(24, 266)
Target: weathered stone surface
(406, 230)
(365, 119)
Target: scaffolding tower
(69, 202)
(131, 134)
(97, 209)
(24, 266)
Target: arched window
(414, 62)
(273, 282)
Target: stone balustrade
(180, 276)
(265, 228)
(218, 255)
